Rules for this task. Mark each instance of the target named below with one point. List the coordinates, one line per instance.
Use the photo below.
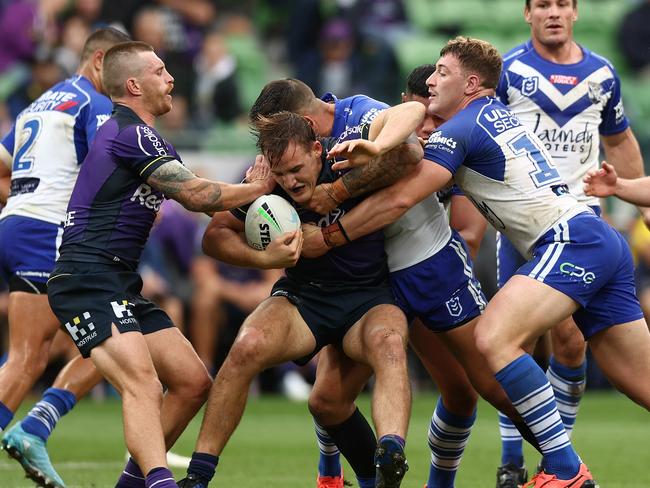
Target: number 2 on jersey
(23, 159)
(544, 172)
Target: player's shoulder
(521, 51)
(595, 60)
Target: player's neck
(323, 116)
(483, 92)
(567, 53)
(138, 108)
(91, 75)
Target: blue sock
(5, 416)
(393, 438)
(160, 478)
(329, 461)
(203, 464)
(43, 417)
(366, 482)
(531, 394)
(568, 386)
(448, 435)
(512, 444)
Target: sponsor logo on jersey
(619, 112)
(576, 271)
(529, 86)
(147, 198)
(564, 80)
(156, 142)
(81, 331)
(54, 100)
(565, 140)
(123, 313)
(498, 120)
(370, 115)
(442, 142)
(102, 118)
(357, 130)
(69, 218)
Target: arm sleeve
(448, 146)
(369, 108)
(614, 119)
(142, 150)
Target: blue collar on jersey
(329, 97)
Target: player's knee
(249, 350)
(486, 337)
(192, 384)
(29, 362)
(389, 344)
(326, 409)
(460, 399)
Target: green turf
(275, 447)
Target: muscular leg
(125, 362)
(521, 311)
(455, 411)
(274, 333)
(32, 326)
(623, 353)
(339, 425)
(567, 370)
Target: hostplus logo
(81, 331)
(578, 272)
(122, 312)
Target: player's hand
(284, 251)
(601, 182)
(322, 200)
(313, 244)
(358, 152)
(260, 174)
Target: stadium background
(221, 53)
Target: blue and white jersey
(503, 167)
(424, 229)
(48, 142)
(567, 106)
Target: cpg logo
(454, 307)
(529, 86)
(577, 272)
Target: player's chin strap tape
(334, 234)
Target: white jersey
(48, 142)
(505, 170)
(567, 106)
(419, 234)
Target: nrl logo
(529, 86)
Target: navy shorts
(88, 298)
(28, 251)
(442, 290)
(330, 312)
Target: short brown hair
(477, 56)
(102, 39)
(575, 4)
(289, 95)
(120, 65)
(275, 132)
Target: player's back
(504, 169)
(49, 141)
(566, 105)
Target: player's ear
(133, 86)
(527, 15)
(317, 147)
(98, 60)
(472, 84)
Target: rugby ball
(267, 218)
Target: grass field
(274, 446)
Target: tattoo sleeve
(179, 183)
(383, 170)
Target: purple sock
(131, 477)
(160, 478)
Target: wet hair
(476, 56)
(102, 39)
(120, 64)
(276, 131)
(416, 84)
(290, 95)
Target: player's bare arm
(623, 152)
(379, 173)
(468, 221)
(201, 195)
(6, 160)
(378, 210)
(604, 182)
(224, 240)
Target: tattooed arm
(201, 195)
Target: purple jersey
(112, 208)
(359, 263)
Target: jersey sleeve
(448, 145)
(141, 149)
(99, 112)
(7, 144)
(614, 119)
(369, 108)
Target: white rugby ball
(267, 218)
